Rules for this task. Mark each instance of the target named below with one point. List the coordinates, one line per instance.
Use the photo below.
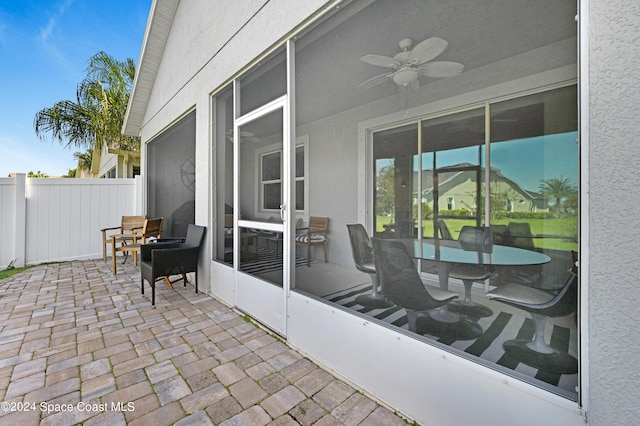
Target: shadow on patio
(78, 344)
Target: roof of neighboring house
(454, 177)
(155, 38)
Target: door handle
(283, 207)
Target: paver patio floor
(80, 345)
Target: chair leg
(325, 252)
(168, 281)
(538, 344)
(308, 254)
(412, 317)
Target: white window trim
(301, 142)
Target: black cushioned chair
(541, 305)
(474, 238)
(363, 258)
(402, 285)
(171, 257)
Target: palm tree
(84, 160)
(557, 188)
(95, 118)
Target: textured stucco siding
(614, 243)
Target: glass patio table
(448, 252)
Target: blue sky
(45, 46)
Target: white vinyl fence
(50, 220)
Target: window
(450, 203)
(404, 150)
(271, 179)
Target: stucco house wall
(611, 161)
(210, 41)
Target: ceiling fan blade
(380, 61)
(427, 50)
(441, 69)
(374, 81)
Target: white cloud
(47, 30)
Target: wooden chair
(150, 228)
(315, 235)
(127, 226)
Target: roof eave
(155, 37)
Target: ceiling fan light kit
(410, 65)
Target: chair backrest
(318, 225)
(501, 235)
(152, 228)
(398, 276)
(360, 245)
(476, 238)
(566, 301)
(445, 234)
(195, 235)
(521, 235)
(129, 223)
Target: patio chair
(127, 226)
(164, 258)
(152, 228)
(474, 238)
(315, 235)
(363, 258)
(541, 305)
(404, 287)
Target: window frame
(301, 142)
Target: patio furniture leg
(168, 281)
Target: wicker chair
(163, 258)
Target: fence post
(139, 196)
(20, 227)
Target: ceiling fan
(409, 65)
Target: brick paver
(80, 345)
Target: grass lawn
(566, 227)
(6, 273)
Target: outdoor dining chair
(315, 234)
(152, 228)
(127, 226)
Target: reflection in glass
(260, 255)
(424, 158)
(395, 152)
